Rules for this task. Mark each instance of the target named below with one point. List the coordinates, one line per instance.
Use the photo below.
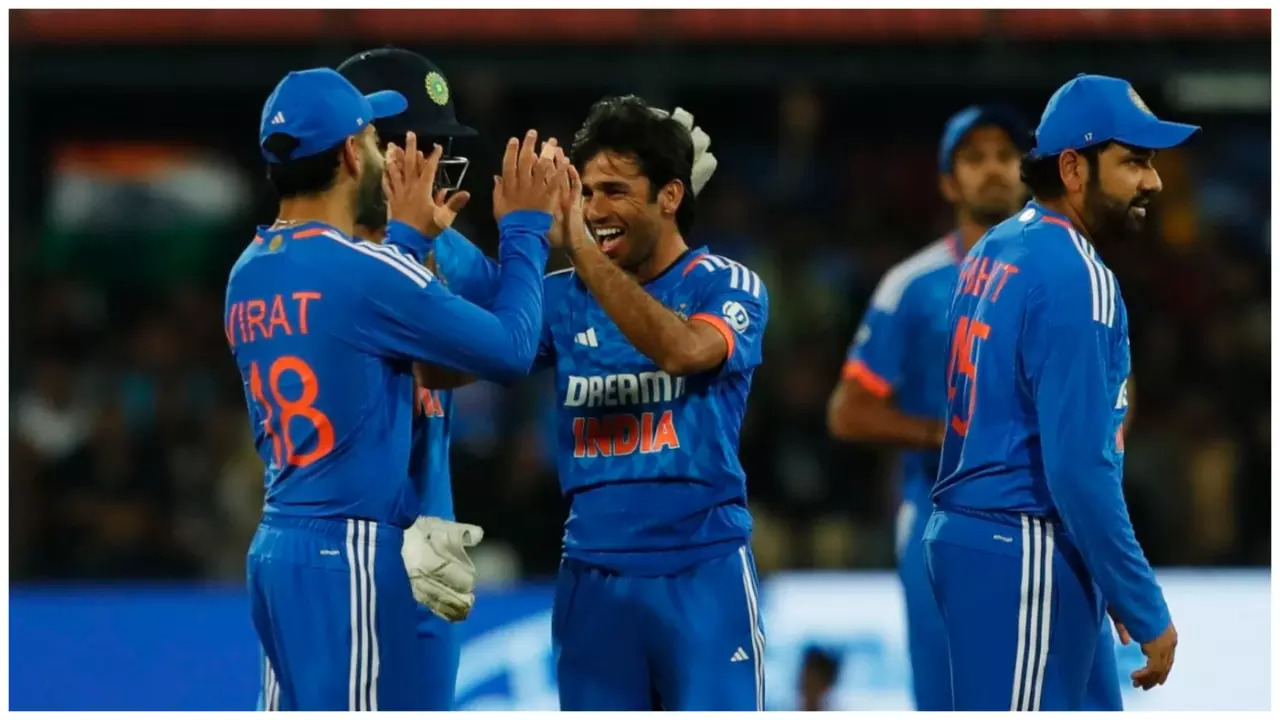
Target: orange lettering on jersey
(1004, 278)
(598, 440)
(579, 444)
(966, 275)
(665, 436)
(646, 433)
(1120, 438)
(278, 316)
(302, 297)
(434, 408)
(626, 434)
(232, 314)
(428, 403)
(982, 277)
(257, 312)
(621, 435)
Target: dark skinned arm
(676, 345)
(857, 414)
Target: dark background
(135, 181)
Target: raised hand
(409, 184)
(528, 182)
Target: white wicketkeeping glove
(441, 575)
(704, 163)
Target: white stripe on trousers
(753, 616)
(1036, 600)
(363, 679)
(270, 686)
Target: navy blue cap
(430, 114)
(320, 109)
(1093, 109)
(974, 116)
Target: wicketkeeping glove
(704, 163)
(441, 575)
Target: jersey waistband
(338, 528)
(1001, 532)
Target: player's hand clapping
(528, 182)
(574, 233)
(409, 182)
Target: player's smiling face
(1119, 192)
(621, 208)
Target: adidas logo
(277, 119)
(587, 338)
(740, 656)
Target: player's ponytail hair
(662, 147)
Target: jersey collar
(300, 231)
(679, 264)
(1033, 205)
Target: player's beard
(371, 203)
(642, 240)
(1110, 219)
(993, 205)
(990, 214)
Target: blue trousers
(441, 649)
(1024, 622)
(927, 636)
(331, 604)
(689, 641)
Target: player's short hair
(308, 175)
(661, 146)
(1040, 174)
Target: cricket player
(891, 388)
(654, 346)
(324, 329)
(1030, 541)
(447, 574)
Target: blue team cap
(1093, 109)
(321, 108)
(974, 116)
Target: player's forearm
(470, 273)
(678, 346)
(439, 327)
(517, 304)
(1090, 501)
(853, 418)
(409, 239)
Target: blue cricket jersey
(324, 330)
(900, 349)
(474, 277)
(1038, 365)
(649, 462)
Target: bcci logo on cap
(437, 88)
(1137, 101)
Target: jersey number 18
(283, 410)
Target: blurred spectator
(818, 675)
